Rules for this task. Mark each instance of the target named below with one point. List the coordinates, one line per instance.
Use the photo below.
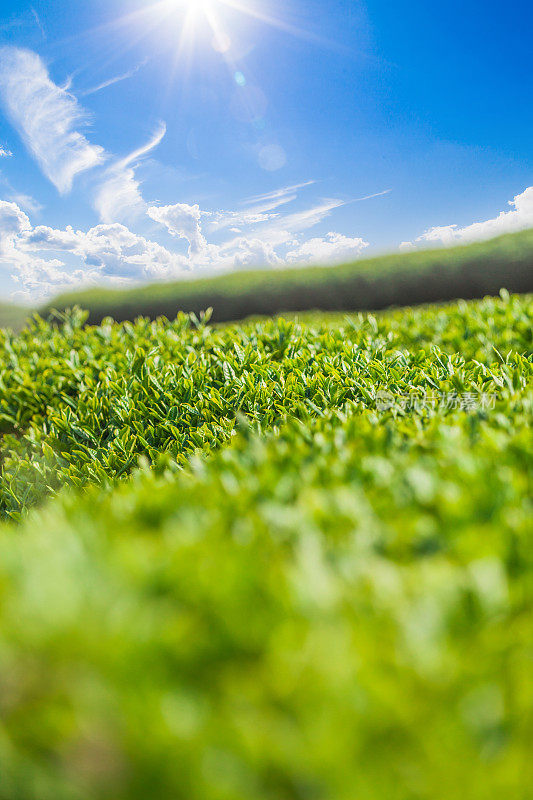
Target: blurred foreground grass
(303, 593)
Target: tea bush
(340, 610)
(316, 585)
(81, 405)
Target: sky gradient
(145, 141)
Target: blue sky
(152, 140)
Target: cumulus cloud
(27, 272)
(36, 274)
(518, 218)
(268, 237)
(44, 260)
(184, 222)
(13, 222)
(188, 222)
(330, 249)
(257, 248)
(246, 252)
(47, 118)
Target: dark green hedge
(396, 280)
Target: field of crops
(282, 560)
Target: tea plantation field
(410, 278)
(283, 560)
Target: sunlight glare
(192, 6)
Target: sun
(188, 27)
(216, 14)
(192, 5)
(195, 18)
(192, 11)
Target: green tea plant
(286, 560)
(81, 405)
(339, 609)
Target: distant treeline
(403, 279)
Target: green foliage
(340, 610)
(372, 284)
(80, 405)
(301, 594)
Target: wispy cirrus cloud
(283, 229)
(25, 201)
(257, 210)
(112, 81)
(38, 22)
(278, 194)
(5, 153)
(47, 118)
(118, 197)
(371, 196)
(217, 220)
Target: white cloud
(184, 222)
(30, 273)
(118, 197)
(217, 220)
(44, 260)
(113, 250)
(372, 196)
(268, 238)
(38, 22)
(281, 232)
(258, 248)
(25, 201)
(46, 117)
(278, 194)
(246, 252)
(112, 81)
(331, 249)
(5, 153)
(118, 252)
(519, 218)
(39, 279)
(13, 222)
